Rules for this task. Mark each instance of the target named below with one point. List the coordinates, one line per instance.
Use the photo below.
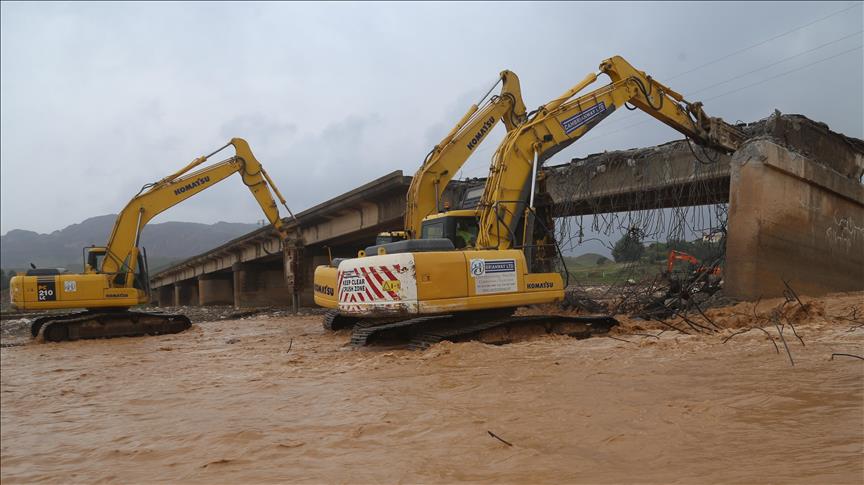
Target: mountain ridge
(165, 242)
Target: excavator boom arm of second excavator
(451, 153)
(567, 118)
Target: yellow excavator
(430, 290)
(115, 276)
(439, 167)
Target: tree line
(630, 248)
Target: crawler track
(422, 332)
(106, 324)
(580, 327)
(334, 321)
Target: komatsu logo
(480, 134)
(190, 186)
(324, 289)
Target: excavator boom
(564, 120)
(441, 164)
(451, 153)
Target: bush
(629, 248)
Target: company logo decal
(480, 134)
(579, 119)
(494, 275)
(190, 186)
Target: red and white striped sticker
(377, 280)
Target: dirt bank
(228, 402)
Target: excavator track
(579, 327)
(422, 332)
(367, 332)
(93, 324)
(334, 321)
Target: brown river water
(228, 402)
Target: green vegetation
(629, 248)
(609, 272)
(595, 269)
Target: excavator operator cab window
(466, 232)
(462, 231)
(433, 229)
(94, 258)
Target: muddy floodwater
(280, 400)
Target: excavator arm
(567, 118)
(448, 156)
(121, 254)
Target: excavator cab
(460, 227)
(93, 257)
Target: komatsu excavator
(115, 276)
(439, 167)
(430, 290)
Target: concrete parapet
(791, 218)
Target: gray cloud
(97, 99)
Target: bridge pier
(186, 293)
(792, 219)
(216, 289)
(165, 295)
(261, 284)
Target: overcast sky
(100, 98)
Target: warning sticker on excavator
(382, 285)
(494, 276)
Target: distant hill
(165, 242)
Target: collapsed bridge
(795, 212)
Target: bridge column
(792, 219)
(292, 260)
(261, 284)
(216, 289)
(186, 293)
(165, 295)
